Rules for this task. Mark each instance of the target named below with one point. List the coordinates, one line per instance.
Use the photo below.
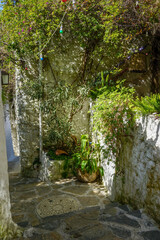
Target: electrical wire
(55, 29)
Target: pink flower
(22, 29)
(23, 21)
(19, 33)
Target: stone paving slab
(121, 220)
(96, 218)
(151, 235)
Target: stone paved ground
(68, 209)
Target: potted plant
(86, 161)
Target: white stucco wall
(10, 151)
(5, 214)
(62, 66)
(138, 181)
(65, 66)
(27, 119)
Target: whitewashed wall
(26, 112)
(138, 181)
(11, 154)
(5, 213)
(62, 67)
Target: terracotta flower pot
(86, 177)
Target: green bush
(113, 116)
(148, 104)
(86, 157)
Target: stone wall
(14, 129)
(52, 170)
(6, 225)
(138, 180)
(27, 118)
(11, 151)
(56, 67)
(66, 66)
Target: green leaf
(83, 165)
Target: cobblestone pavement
(68, 209)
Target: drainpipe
(17, 114)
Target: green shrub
(148, 104)
(113, 116)
(86, 157)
